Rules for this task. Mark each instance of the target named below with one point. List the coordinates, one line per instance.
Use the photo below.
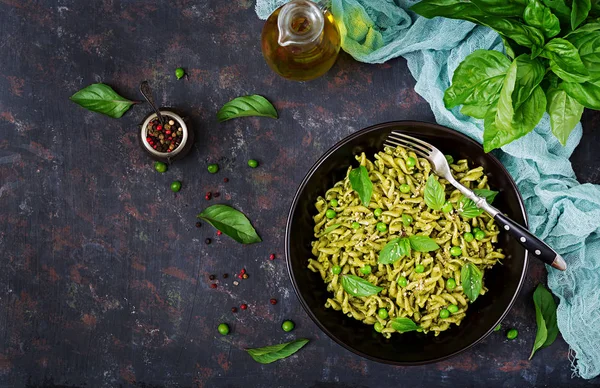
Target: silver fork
(440, 166)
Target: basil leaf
(545, 316)
(510, 52)
(530, 73)
(579, 12)
(471, 281)
(394, 250)
(331, 228)
(423, 243)
(253, 105)
(523, 34)
(359, 287)
(565, 112)
(454, 9)
(501, 8)
(587, 41)
(489, 195)
(565, 61)
(435, 197)
(560, 9)
(404, 325)
(477, 80)
(587, 93)
(269, 354)
(468, 209)
(359, 179)
(477, 111)
(103, 99)
(231, 222)
(540, 16)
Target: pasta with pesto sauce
(350, 241)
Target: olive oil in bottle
(300, 40)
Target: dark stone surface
(103, 274)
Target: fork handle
(534, 245)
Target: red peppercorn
(159, 127)
(234, 309)
(244, 306)
(214, 285)
(273, 301)
(219, 233)
(240, 276)
(169, 150)
(168, 132)
(225, 180)
(272, 256)
(149, 139)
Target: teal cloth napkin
(563, 212)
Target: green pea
(366, 269)
(253, 163)
(333, 203)
(355, 225)
(449, 159)
(213, 168)
(451, 284)
(419, 268)
(381, 227)
(475, 230)
(336, 270)
(383, 313)
(444, 313)
(223, 328)
(411, 162)
(160, 167)
(402, 282)
(453, 308)
(179, 73)
(404, 188)
(455, 251)
(447, 208)
(512, 334)
(479, 235)
(378, 212)
(497, 328)
(330, 213)
(378, 327)
(175, 186)
(468, 236)
(406, 219)
(287, 325)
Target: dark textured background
(103, 275)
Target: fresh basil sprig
(231, 222)
(471, 280)
(357, 286)
(103, 99)
(269, 354)
(435, 197)
(404, 325)
(545, 317)
(361, 183)
(423, 243)
(397, 248)
(253, 105)
(468, 209)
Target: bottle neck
(301, 23)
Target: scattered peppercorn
(214, 285)
(225, 180)
(234, 309)
(272, 256)
(243, 271)
(273, 301)
(245, 276)
(219, 233)
(216, 194)
(240, 276)
(208, 196)
(198, 224)
(244, 306)
(225, 276)
(207, 241)
(212, 277)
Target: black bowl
(503, 281)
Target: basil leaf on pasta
(471, 280)
(359, 179)
(468, 209)
(434, 193)
(331, 228)
(394, 250)
(423, 243)
(404, 325)
(357, 286)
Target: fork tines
(419, 147)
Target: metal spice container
(182, 149)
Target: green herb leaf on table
(231, 222)
(361, 183)
(422, 243)
(435, 197)
(580, 10)
(359, 287)
(103, 99)
(471, 281)
(245, 106)
(545, 316)
(404, 325)
(331, 228)
(565, 112)
(269, 354)
(394, 250)
(538, 15)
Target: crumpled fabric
(563, 212)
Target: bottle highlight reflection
(300, 40)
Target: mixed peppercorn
(164, 138)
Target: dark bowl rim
(309, 175)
